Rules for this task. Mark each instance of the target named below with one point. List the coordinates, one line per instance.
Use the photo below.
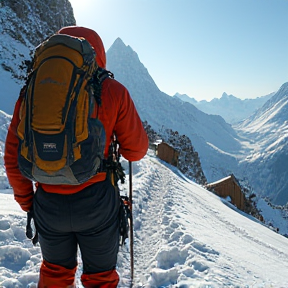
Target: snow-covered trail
(152, 215)
(187, 235)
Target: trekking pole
(131, 225)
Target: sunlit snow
(184, 236)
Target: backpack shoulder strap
(100, 75)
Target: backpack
(61, 141)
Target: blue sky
(201, 48)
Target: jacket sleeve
(22, 187)
(129, 130)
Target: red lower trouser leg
(107, 279)
(55, 276)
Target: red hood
(92, 37)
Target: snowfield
(184, 236)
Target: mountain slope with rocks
(188, 160)
(24, 24)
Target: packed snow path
(154, 208)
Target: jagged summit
(122, 51)
(281, 93)
(228, 96)
(120, 47)
(127, 68)
(118, 44)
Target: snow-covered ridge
(268, 123)
(265, 135)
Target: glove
(29, 230)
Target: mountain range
(254, 150)
(231, 108)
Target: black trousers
(88, 219)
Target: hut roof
(231, 176)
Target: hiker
(84, 215)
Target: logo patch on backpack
(60, 141)
(49, 147)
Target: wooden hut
(229, 187)
(167, 153)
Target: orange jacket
(117, 113)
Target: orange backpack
(60, 141)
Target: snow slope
(185, 237)
(266, 133)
